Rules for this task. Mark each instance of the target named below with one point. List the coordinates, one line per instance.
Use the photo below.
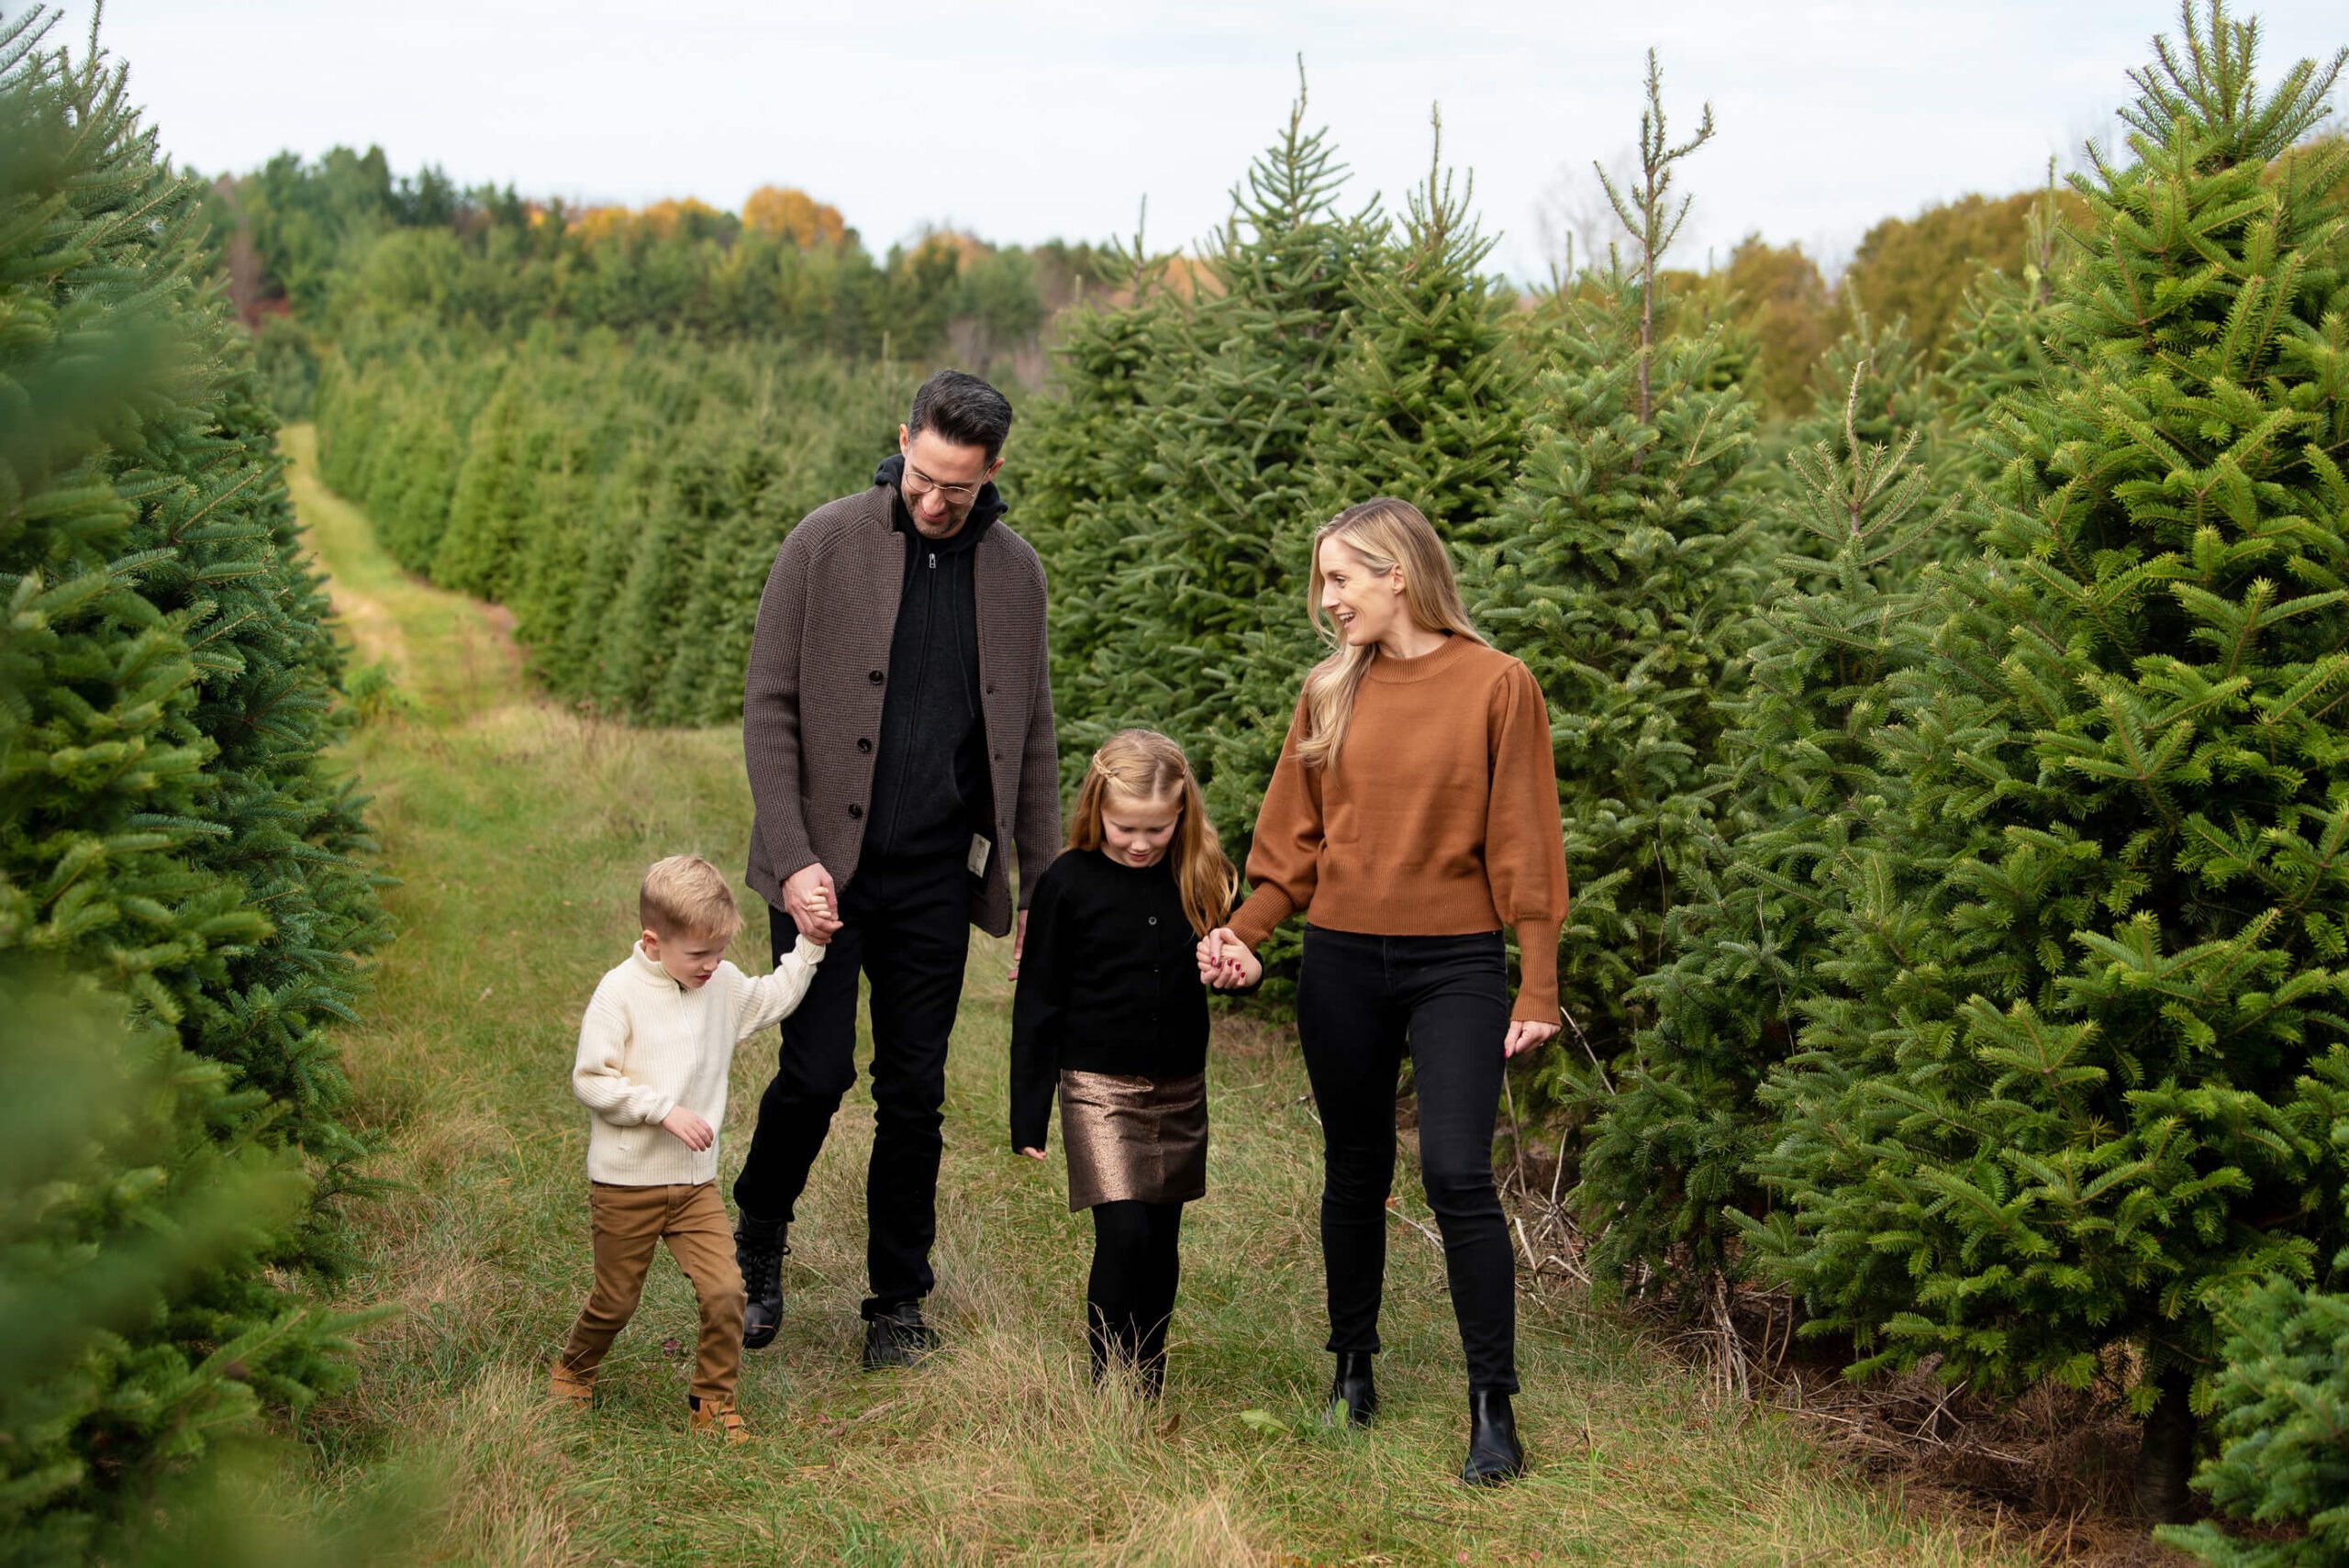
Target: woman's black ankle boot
(1494, 1453)
(1354, 1397)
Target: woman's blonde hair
(1385, 533)
(1143, 764)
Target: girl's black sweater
(1108, 982)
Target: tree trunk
(2165, 1458)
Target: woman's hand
(1225, 961)
(1525, 1034)
(1033, 1154)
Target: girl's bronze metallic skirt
(1134, 1138)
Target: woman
(1413, 815)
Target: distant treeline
(340, 242)
(340, 245)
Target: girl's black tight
(1131, 1292)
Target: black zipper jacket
(930, 783)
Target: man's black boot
(1354, 1397)
(1494, 1453)
(896, 1336)
(759, 1250)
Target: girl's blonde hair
(1143, 764)
(1385, 533)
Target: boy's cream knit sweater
(649, 1045)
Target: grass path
(518, 830)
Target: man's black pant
(1361, 1002)
(906, 927)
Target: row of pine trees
(623, 499)
(185, 897)
(1952, 781)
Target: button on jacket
(1108, 982)
(818, 682)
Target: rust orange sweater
(1439, 817)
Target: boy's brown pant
(630, 1223)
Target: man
(897, 727)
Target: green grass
(518, 830)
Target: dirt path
(456, 655)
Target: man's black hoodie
(930, 782)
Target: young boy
(653, 1052)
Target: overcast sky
(1026, 119)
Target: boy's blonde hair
(685, 896)
(1143, 764)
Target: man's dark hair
(964, 409)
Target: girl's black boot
(1354, 1397)
(1494, 1453)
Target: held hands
(812, 902)
(689, 1130)
(1225, 962)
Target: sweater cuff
(1253, 921)
(1537, 990)
(1031, 1121)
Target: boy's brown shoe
(719, 1415)
(565, 1386)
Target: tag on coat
(977, 859)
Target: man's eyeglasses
(916, 482)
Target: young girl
(1111, 1012)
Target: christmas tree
(1086, 480)
(1673, 1143)
(2000, 342)
(172, 846)
(1253, 364)
(2065, 1102)
(2281, 1403)
(1622, 578)
(1873, 385)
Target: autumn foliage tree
(793, 216)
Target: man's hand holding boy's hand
(813, 903)
(689, 1130)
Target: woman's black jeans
(1361, 1002)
